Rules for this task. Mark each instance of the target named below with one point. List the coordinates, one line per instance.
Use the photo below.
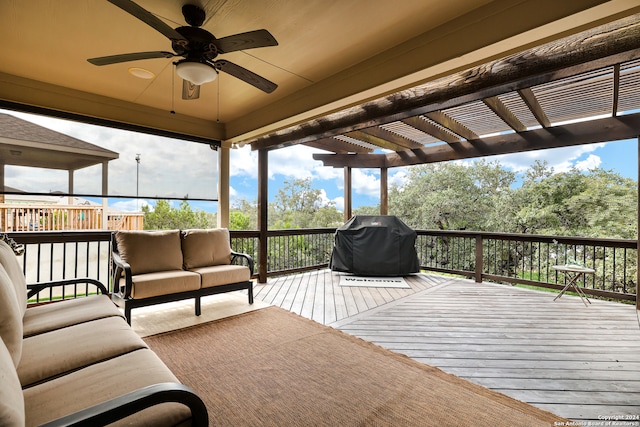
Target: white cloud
(326, 172)
(365, 181)
(398, 177)
(339, 201)
(243, 162)
(591, 162)
(560, 159)
(325, 200)
(134, 205)
(293, 162)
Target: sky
(198, 163)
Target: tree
(239, 221)
(165, 217)
(243, 216)
(453, 196)
(597, 203)
(298, 205)
(367, 210)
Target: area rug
(180, 314)
(374, 282)
(271, 367)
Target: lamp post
(137, 178)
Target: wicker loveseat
(78, 362)
(153, 267)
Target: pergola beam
(374, 140)
(590, 50)
(399, 140)
(602, 130)
(504, 113)
(452, 124)
(534, 106)
(338, 146)
(429, 127)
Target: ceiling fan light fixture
(196, 72)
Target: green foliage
(481, 196)
(453, 196)
(597, 203)
(243, 216)
(239, 221)
(165, 217)
(298, 205)
(367, 210)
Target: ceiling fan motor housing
(200, 46)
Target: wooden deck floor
(582, 363)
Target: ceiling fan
(198, 49)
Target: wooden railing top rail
(281, 232)
(567, 240)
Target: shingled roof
(24, 143)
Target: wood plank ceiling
(581, 89)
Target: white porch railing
(15, 218)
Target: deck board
(580, 362)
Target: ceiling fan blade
(125, 57)
(249, 40)
(148, 18)
(246, 75)
(189, 90)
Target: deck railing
(498, 257)
(528, 259)
(51, 256)
(288, 251)
(46, 217)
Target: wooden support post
(105, 191)
(347, 194)
(223, 187)
(70, 187)
(263, 200)
(384, 192)
(479, 259)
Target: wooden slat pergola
(578, 90)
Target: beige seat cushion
(10, 263)
(47, 355)
(11, 318)
(223, 275)
(102, 381)
(49, 317)
(149, 251)
(163, 283)
(11, 401)
(205, 247)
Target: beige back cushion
(11, 398)
(10, 263)
(203, 248)
(150, 251)
(10, 318)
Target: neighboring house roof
(23, 143)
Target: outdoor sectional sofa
(152, 267)
(78, 362)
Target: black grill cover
(375, 246)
